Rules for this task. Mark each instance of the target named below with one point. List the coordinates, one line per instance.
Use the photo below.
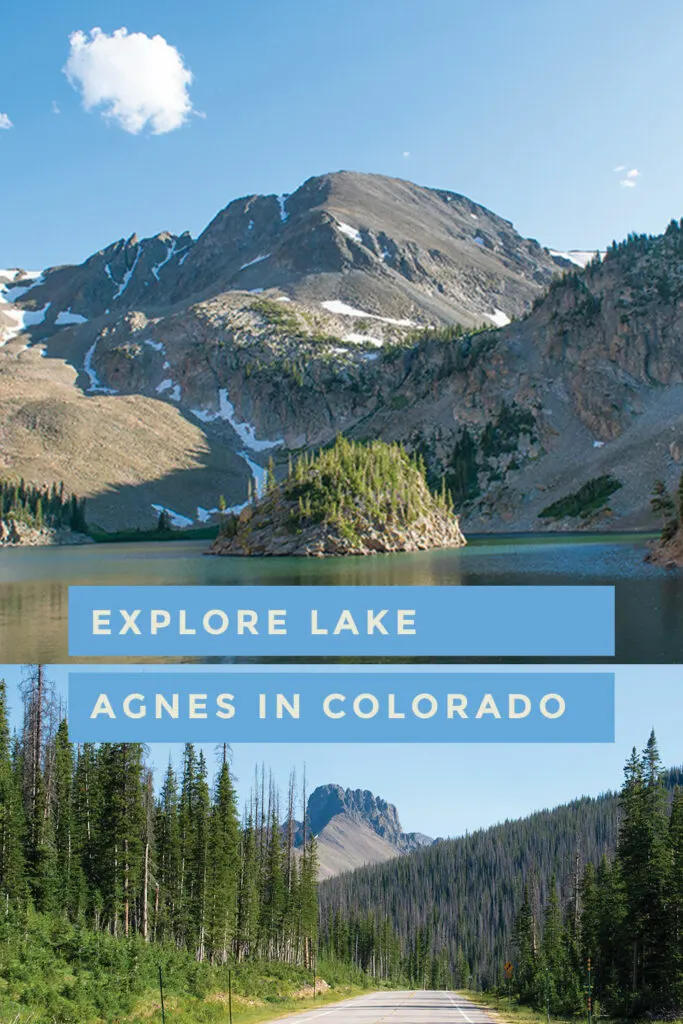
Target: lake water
(34, 581)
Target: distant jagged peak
(328, 801)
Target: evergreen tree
(164, 523)
(224, 852)
(67, 884)
(248, 909)
(675, 917)
(169, 859)
(273, 900)
(12, 868)
(526, 948)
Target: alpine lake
(34, 582)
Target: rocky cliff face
(13, 534)
(355, 827)
(293, 318)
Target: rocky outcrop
(351, 499)
(13, 534)
(266, 530)
(354, 827)
(326, 802)
(667, 553)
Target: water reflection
(34, 582)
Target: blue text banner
(322, 621)
(354, 706)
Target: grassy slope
(213, 1009)
(510, 1011)
(54, 972)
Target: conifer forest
(106, 880)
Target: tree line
(86, 841)
(625, 914)
(84, 837)
(42, 506)
(599, 878)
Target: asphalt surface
(416, 1007)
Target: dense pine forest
(626, 914)
(95, 867)
(599, 879)
(104, 881)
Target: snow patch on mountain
(123, 284)
(204, 514)
(350, 232)
(499, 318)
(65, 318)
(342, 309)
(245, 431)
(23, 318)
(258, 473)
(95, 386)
(177, 520)
(170, 252)
(579, 257)
(361, 339)
(259, 259)
(11, 291)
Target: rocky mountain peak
(326, 802)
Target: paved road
(416, 1007)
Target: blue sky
(527, 107)
(448, 789)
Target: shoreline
(473, 539)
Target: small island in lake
(349, 499)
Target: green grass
(55, 972)
(213, 1009)
(510, 1010)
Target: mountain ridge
(325, 317)
(353, 827)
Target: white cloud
(629, 181)
(406, 152)
(5, 122)
(136, 80)
(55, 107)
